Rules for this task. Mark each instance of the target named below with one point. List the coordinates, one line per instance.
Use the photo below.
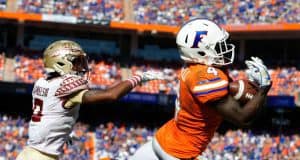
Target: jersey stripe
(215, 79)
(210, 86)
(210, 91)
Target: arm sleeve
(75, 99)
(207, 87)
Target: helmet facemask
(224, 53)
(79, 64)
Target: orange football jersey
(194, 123)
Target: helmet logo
(198, 38)
(67, 45)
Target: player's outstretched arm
(243, 115)
(119, 90)
(111, 94)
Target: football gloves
(257, 72)
(151, 75)
(145, 77)
(71, 138)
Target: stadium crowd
(286, 80)
(244, 145)
(119, 142)
(110, 141)
(172, 12)
(2, 58)
(223, 11)
(93, 10)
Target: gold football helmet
(65, 57)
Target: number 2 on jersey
(37, 110)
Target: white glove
(257, 72)
(151, 75)
(71, 137)
(145, 77)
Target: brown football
(242, 90)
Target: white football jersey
(51, 123)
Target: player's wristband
(135, 80)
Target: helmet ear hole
(60, 63)
(201, 53)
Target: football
(242, 90)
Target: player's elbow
(111, 96)
(96, 96)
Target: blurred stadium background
(123, 37)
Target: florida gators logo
(198, 37)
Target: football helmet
(203, 41)
(65, 57)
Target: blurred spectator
(28, 70)
(13, 134)
(246, 145)
(3, 4)
(104, 73)
(119, 142)
(2, 58)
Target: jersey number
(212, 70)
(37, 110)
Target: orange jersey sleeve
(207, 83)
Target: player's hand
(257, 72)
(151, 75)
(71, 137)
(69, 141)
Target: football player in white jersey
(57, 98)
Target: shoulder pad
(71, 84)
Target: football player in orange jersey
(57, 97)
(203, 100)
